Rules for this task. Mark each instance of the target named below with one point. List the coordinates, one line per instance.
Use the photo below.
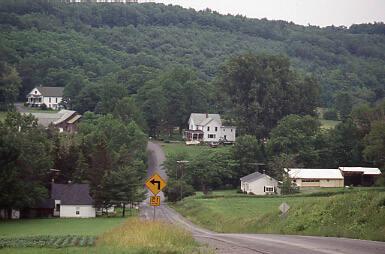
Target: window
(269, 188)
(208, 128)
(57, 208)
(216, 129)
(56, 99)
(49, 99)
(211, 135)
(77, 212)
(310, 180)
(231, 130)
(35, 92)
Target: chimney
(207, 115)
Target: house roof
(365, 171)
(65, 114)
(71, 194)
(310, 173)
(253, 177)
(45, 119)
(51, 91)
(203, 119)
(74, 119)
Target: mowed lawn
(34, 227)
(192, 151)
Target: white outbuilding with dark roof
(307, 177)
(72, 201)
(259, 184)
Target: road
(253, 243)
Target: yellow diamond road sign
(155, 184)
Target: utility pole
(181, 165)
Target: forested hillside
(90, 46)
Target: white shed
(72, 201)
(259, 184)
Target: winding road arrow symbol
(155, 182)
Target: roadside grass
(150, 237)
(192, 151)
(358, 214)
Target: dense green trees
(10, 83)
(25, 162)
(53, 43)
(263, 89)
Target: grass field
(106, 235)
(191, 151)
(34, 227)
(358, 214)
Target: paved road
(254, 243)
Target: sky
(303, 12)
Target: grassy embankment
(100, 235)
(355, 213)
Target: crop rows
(47, 241)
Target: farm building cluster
(261, 184)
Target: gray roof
(71, 194)
(252, 177)
(203, 119)
(51, 91)
(45, 119)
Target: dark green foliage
(248, 155)
(10, 83)
(298, 136)
(53, 43)
(263, 89)
(25, 161)
(331, 114)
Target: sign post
(155, 184)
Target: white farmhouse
(259, 184)
(208, 128)
(72, 201)
(50, 96)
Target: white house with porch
(50, 96)
(209, 128)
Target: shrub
(331, 115)
(43, 106)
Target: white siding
(52, 102)
(84, 211)
(323, 183)
(212, 132)
(257, 187)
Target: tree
(24, 162)
(296, 135)
(124, 185)
(127, 110)
(344, 104)
(263, 89)
(375, 144)
(279, 166)
(247, 153)
(10, 84)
